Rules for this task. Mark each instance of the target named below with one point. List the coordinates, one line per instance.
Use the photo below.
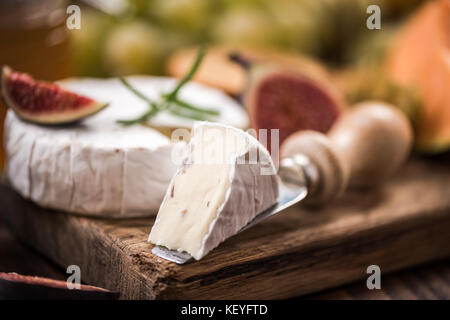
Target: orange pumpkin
(420, 57)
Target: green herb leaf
(135, 91)
(186, 105)
(170, 101)
(189, 75)
(179, 113)
(153, 107)
(143, 118)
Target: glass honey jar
(34, 39)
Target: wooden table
(430, 281)
(403, 224)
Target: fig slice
(290, 98)
(44, 102)
(15, 286)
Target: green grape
(133, 48)
(88, 41)
(140, 7)
(190, 16)
(250, 27)
(257, 4)
(298, 24)
(370, 49)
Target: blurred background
(119, 37)
(122, 37)
(405, 63)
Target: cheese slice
(99, 167)
(226, 179)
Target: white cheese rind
(71, 170)
(100, 168)
(247, 193)
(246, 200)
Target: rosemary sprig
(182, 114)
(135, 91)
(186, 105)
(189, 75)
(153, 107)
(143, 118)
(170, 101)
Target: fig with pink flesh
(290, 98)
(16, 286)
(44, 102)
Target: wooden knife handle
(367, 144)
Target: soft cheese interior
(226, 179)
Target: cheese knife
(365, 146)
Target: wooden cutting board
(403, 223)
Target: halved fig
(15, 286)
(44, 102)
(290, 97)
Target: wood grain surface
(430, 281)
(404, 223)
(426, 282)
